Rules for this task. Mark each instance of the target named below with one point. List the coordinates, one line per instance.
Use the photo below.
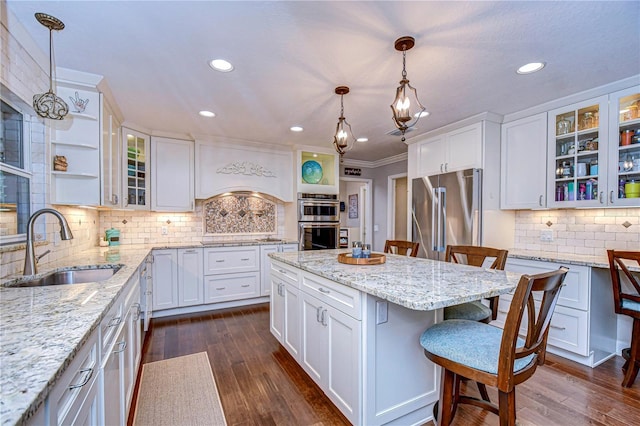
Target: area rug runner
(178, 391)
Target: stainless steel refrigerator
(447, 209)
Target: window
(15, 179)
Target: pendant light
(343, 139)
(48, 105)
(401, 105)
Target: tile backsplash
(578, 231)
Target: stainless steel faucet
(29, 256)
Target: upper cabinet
(577, 151)
(136, 178)
(523, 159)
(172, 174)
(111, 158)
(317, 172)
(75, 148)
(224, 167)
(624, 148)
(458, 149)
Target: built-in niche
(239, 213)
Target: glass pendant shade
(48, 105)
(343, 138)
(402, 104)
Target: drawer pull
(557, 328)
(282, 271)
(219, 260)
(114, 321)
(122, 346)
(86, 379)
(190, 251)
(322, 290)
(220, 288)
(245, 285)
(244, 259)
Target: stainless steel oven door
(318, 211)
(318, 235)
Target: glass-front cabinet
(577, 146)
(136, 180)
(624, 149)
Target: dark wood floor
(260, 384)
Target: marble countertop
(41, 328)
(419, 284)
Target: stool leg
(634, 355)
(446, 403)
(507, 407)
(483, 391)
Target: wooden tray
(375, 259)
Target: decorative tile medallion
(239, 213)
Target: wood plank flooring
(261, 384)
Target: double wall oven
(318, 221)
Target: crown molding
(378, 163)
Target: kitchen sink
(74, 276)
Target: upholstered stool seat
(473, 311)
(471, 343)
(631, 305)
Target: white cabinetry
(77, 139)
(190, 288)
(165, 279)
(265, 264)
(75, 397)
(624, 124)
(231, 273)
(135, 155)
(111, 157)
(226, 167)
(172, 174)
(285, 308)
(331, 341)
(582, 328)
(576, 175)
(458, 149)
(524, 163)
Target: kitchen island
(355, 328)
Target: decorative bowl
(311, 171)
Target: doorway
(356, 215)
(397, 206)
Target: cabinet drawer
(231, 259)
(223, 287)
(576, 285)
(285, 272)
(568, 330)
(341, 297)
(75, 383)
(110, 325)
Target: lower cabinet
(190, 290)
(285, 309)
(265, 263)
(583, 326)
(165, 279)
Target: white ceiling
(290, 55)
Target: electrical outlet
(546, 235)
(165, 230)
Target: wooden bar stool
(626, 303)
(475, 256)
(401, 247)
(491, 356)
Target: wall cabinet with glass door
(136, 176)
(317, 172)
(577, 153)
(111, 146)
(624, 148)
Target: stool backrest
(476, 256)
(619, 296)
(535, 342)
(401, 247)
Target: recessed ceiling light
(221, 65)
(207, 114)
(531, 67)
(362, 140)
(296, 128)
(421, 114)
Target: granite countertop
(42, 328)
(419, 284)
(601, 261)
